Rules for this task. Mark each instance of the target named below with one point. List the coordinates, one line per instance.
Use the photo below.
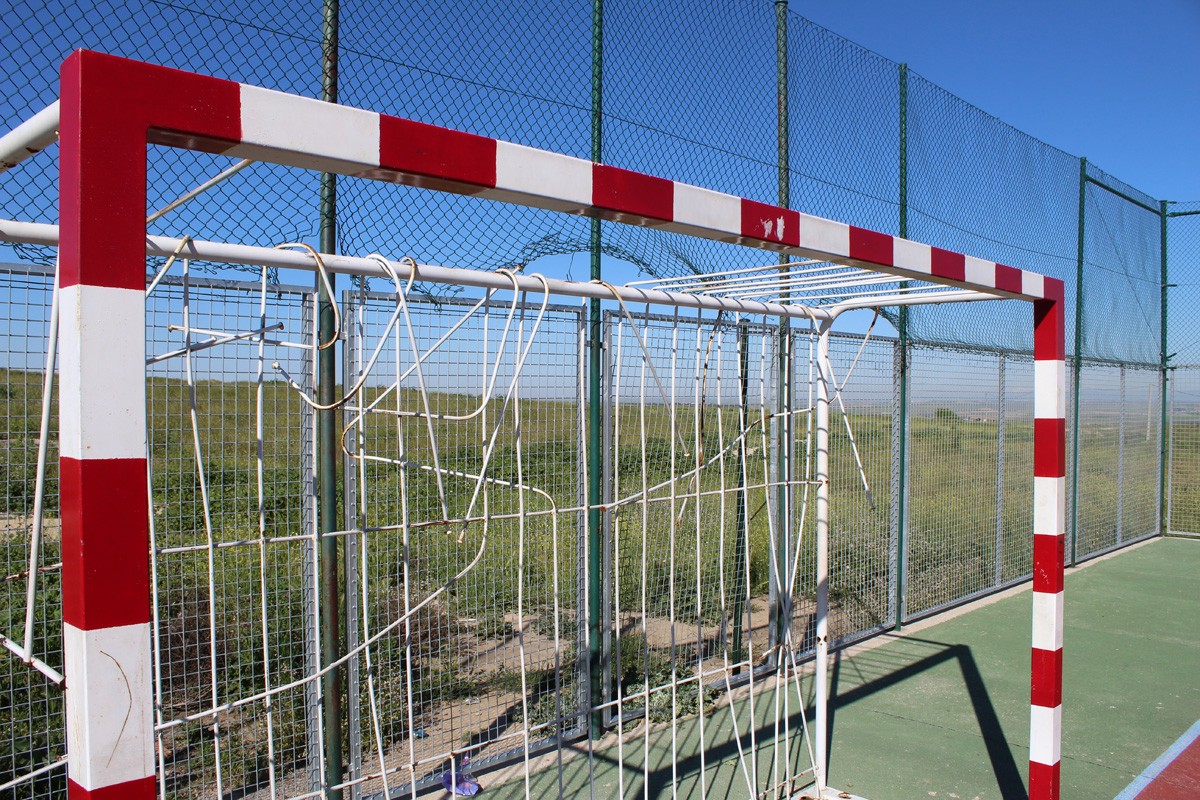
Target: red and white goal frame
(111, 108)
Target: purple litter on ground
(466, 786)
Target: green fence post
(1163, 449)
(901, 499)
(327, 433)
(594, 533)
(1077, 365)
(903, 157)
(783, 400)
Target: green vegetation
(456, 643)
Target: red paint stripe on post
(1048, 561)
(631, 196)
(105, 542)
(947, 264)
(1008, 279)
(770, 223)
(108, 106)
(1046, 678)
(871, 246)
(1049, 450)
(448, 160)
(1054, 289)
(1048, 331)
(140, 789)
(1044, 781)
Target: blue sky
(1112, 80)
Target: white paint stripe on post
(564, 182)
(1045, 734)
(1050, 398)
(102, 383)
(705, 210)
(1033, 284)
(912, 255)
(1048, 620)
(825, 235)
(110, 716)
(1049, 498)
(977, 270)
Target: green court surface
(942, 710)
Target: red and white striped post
(107, 108)
(1049, 537)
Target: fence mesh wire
(1183, 352)
(954, 451)
(973, 183)
(233, 602)
(862, 543)
(690, 93)
(31, 708)
(455, 672)
(1183, 510)
(977, 185)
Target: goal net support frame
(111, 108)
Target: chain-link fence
(737, 95)
(1183, 359)
(236, 604)
(790, 112)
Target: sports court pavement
(942, 709)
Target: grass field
(462, 646)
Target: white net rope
(702, 451)
(721, 422)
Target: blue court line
(1151, 772)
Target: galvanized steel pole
(328, 426)
(595, 421)
(901, 499)
(783, 431)
(1163, 434)
(1077, 366)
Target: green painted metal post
(902, 336)
(903, 157)
(1163, 433)
(1078, 363)
(784, 394)
(327, 433)
(595, 344)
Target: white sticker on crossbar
(102, 374)
(110, 727)
(1047, 620)
(303, 132)
(1045, 734)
